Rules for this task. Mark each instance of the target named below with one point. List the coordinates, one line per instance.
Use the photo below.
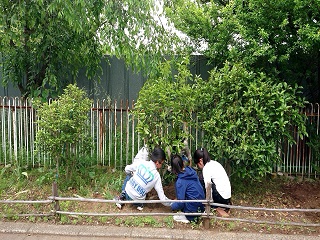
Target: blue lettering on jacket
(136, 186)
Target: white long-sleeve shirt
(145, 177)
(215, 171)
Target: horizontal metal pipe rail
(210, 202)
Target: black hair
(176, 164)
(201, 153)
(158, 155)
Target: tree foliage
(279, 38)
(44, 43)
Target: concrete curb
(134, 233)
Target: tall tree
(279, 38)
(44, 43)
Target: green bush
(245, 116)
(63, 128)
(165, 106)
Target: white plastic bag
(143, 154)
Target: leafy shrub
(245, 116)
(63, 128)
(165, 106)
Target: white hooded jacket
(145, 177)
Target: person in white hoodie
(214, 173)
(142, 177)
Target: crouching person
(188, 187)
(142, 177)
(214, 174)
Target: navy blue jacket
(188, 187)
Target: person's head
(201, 157)
(176, 164)
(158, 157)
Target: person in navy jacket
(187, 187)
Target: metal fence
(115, 141)
(55, 210)
(301, 159)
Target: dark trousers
(217, 198)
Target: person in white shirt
(142, 177)
(214, 173)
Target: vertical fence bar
(98, 132)
(133, 132)
(138, 135)
(290, 166)
(121, 132)
(97, 127)
(127, 132)
(115, 134)
(26, 134)
(19, 108)
(92, 131)
(37, 154)
(22, 146)
(3, 131)
(109, 136)
(15, 132)
(102, 124)
(32, 132)
(297, 162)
(286, 167)
(311, 114)
(318, 121)
(105, 107)
(10, 130)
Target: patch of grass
(118, 221)
(169, 222)
(230, 226)
(195, 225)
(141, 221)
(104, 219)
(64, 219)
